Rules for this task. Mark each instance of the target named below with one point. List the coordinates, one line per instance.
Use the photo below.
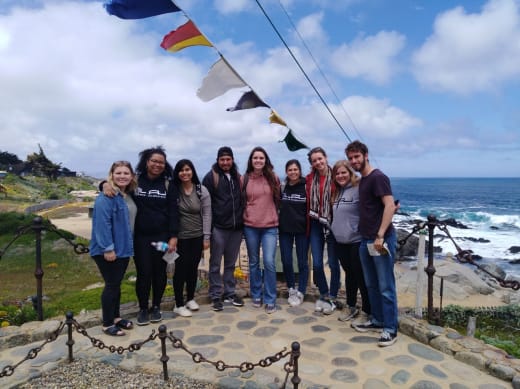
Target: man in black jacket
(223, 184)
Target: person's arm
(106, 188)
(103, 227)
(205, 204)
(388, 213)
(173, 215)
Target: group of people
(330, 206)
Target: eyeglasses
(157, 162)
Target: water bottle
(160, 246)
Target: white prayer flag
(221, 78)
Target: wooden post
(472, 326)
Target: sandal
(113, 331)
(124, 324)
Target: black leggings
(348, 255)
(151, 271)
(112, 273)
(186, 269)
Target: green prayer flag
(292, 143)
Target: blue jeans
(265, 237)
(286, 252)
(317, 242)
(380, 281)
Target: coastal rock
(514, 249)
(459, 281)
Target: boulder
(460, 281)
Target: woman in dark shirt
(292, 229)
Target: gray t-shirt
(195, 214)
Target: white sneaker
(192, 305)
(292, 299)
(328, 307)
(318, 307)
(298, 299)
(362, 318)
(182, 311)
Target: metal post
(70, 341)
(430, 269)
(295, 354)
(164, 356)
(38, 272)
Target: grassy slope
(66, 273)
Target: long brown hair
(267, 171)
(354, 179)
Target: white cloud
(310, 27)
(378, 118)
(471, 52)
(370, 57)
(232, 6)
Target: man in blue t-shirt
(378, 245)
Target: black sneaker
(387, 339)
(217, 305)
(235, 300)
(339, 305)
(366, 326)
(143, 318)
(155, 314)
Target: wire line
(303, 71)
(319, 68)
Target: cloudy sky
(432, 87)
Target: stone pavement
(333, 355)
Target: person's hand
(108, 190)
(378, 244)
(110, 256)
(205, 245)
(172, 245)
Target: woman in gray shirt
(194, 234)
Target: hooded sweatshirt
(345, 215)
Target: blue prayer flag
(139, 9)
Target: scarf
(320, 210)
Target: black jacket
(157, 208)
(293, 208)
(226, 201)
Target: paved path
(333, 355)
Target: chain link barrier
(463, 256)
(290, 367)
(38, 225)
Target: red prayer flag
(184, 36)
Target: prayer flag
(139, 9)
(247, 101)
(184, 36)
(292, 143)
(220, 78)
(275, 118)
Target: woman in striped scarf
(319, 189)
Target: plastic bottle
(160, 246)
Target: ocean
(489, 207)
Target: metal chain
(244, 366)
(466, 256)
(415, 229)
(463, 256)
(113, 349)
(9, 369)
(79, 248)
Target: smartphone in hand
(373, 252)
